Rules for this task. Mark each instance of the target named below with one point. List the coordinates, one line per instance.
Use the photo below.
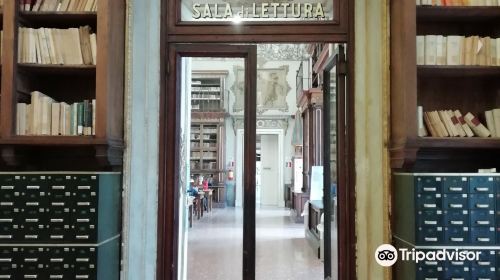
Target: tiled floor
(282, 253)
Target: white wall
(229, 65)
(140, 179)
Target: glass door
(200, 168)
(334, 163)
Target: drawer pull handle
(431, 239)
(484, 263)
(31, 236)
(56, 237)
(456, 205)
(6, 203)
(83, 203)
(6, 260)
(457, 222)
(430, 222)
(483, 222)
(56, 277)
(483, 239)
(32, 203)
(426, 278)
(6, 220)
(32, 220)
(5, 277)
(56, 260)
(33, 187)
(31, 276)
(456, 239)
(482, 189)
(57, 203)
(82, 277)
(429, 205)
(56, 220)
(58, 187)
(84, 187)
(7, 187)
(82, 237)
(431, 263)
(82, 260)
(430, 189)
(457, 263)
(31, 260)
(482, 205)
(455, 189)
(83, 220)
(5, 236)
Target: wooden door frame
(166, 231)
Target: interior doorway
(270, 175)
(217, 149)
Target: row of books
(451, 123)
(45, 116)
(458, 2)
(458, 50)
(72, 46)
(58, 5)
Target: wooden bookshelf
(457, 14)
(472, 89)
(207, 91)
(66, 83)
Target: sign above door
(258, 10)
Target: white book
(493, 52)
(422, 132)
(46, 115)
(42, 40)
(430, 50)
(496, 121)
(37, 5)
(90, 3)
(441, 50)
(490, 123)
(20, 46)
(498, 51)
(464, 124)
(58, 46)
(55, 118)
(93, 46)
(454, 50)
(36, 111)
(21, 119)
(491, 3)
(419, 2)
(420, 50)
(64, 5)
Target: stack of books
(45, 116)
(72, 46)
(451, 123)
(58, 5)
(458, 50)
(458, 2)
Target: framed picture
(272, 89)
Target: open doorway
(216, 200)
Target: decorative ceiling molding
(280, 52)
(268, 122)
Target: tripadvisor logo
(386, 255)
